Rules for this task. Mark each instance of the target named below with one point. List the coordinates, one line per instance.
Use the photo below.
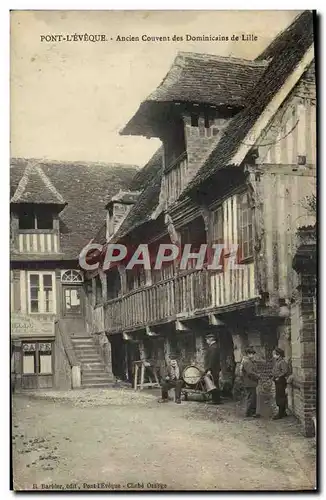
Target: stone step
(84, 345)
(90, 377)
(85, 340)
(87, 350)
(104, 377)
(89, 361)
(96, 365)
(94, 370)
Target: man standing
(250, 379)
(279, 374)
(212, 365)
(172, 380)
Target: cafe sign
(23, 325)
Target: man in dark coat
(250, 379)
(212, 365)
(279, 374)
(172, 379)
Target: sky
(70, 99)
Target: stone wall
(302, 386)
(200, 140)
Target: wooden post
(142, 376)
(136, 376)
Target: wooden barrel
(192, 375)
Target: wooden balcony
(182, 296)
(38, 241)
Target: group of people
(248, 373)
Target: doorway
(73, 300)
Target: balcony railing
(181, 296)
(38, 241)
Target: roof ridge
(216, 57)
(46, 162)
(267, 53)
(21, 184)
(49, 184)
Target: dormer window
(31, 219)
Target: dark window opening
(113, 284)
(31, 220)
(27, 220)
(207, 124)
(44, 221)
(194, 120)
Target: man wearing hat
(279, 374)
(250, 379)
(172, 380)
(212, 365)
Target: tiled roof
(199, 78)
(285, 52)
(148, 199)
(35, 187)
(86, 187)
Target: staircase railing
(75, 365)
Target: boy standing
(279, 374)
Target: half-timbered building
(55, 206)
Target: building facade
(52, 215)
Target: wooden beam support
(150, 332)
(180, 326)
(174, 236)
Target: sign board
(23, 325)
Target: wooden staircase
(93, 373)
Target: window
(27, 221)
(30, 219)
(71, 276)
(113, 284)
(98, 290)
(41, 293)
(218, 225)
(245, 227)
(37, 358)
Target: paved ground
(118, 439)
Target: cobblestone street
(126, 440)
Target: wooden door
(72, 300)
